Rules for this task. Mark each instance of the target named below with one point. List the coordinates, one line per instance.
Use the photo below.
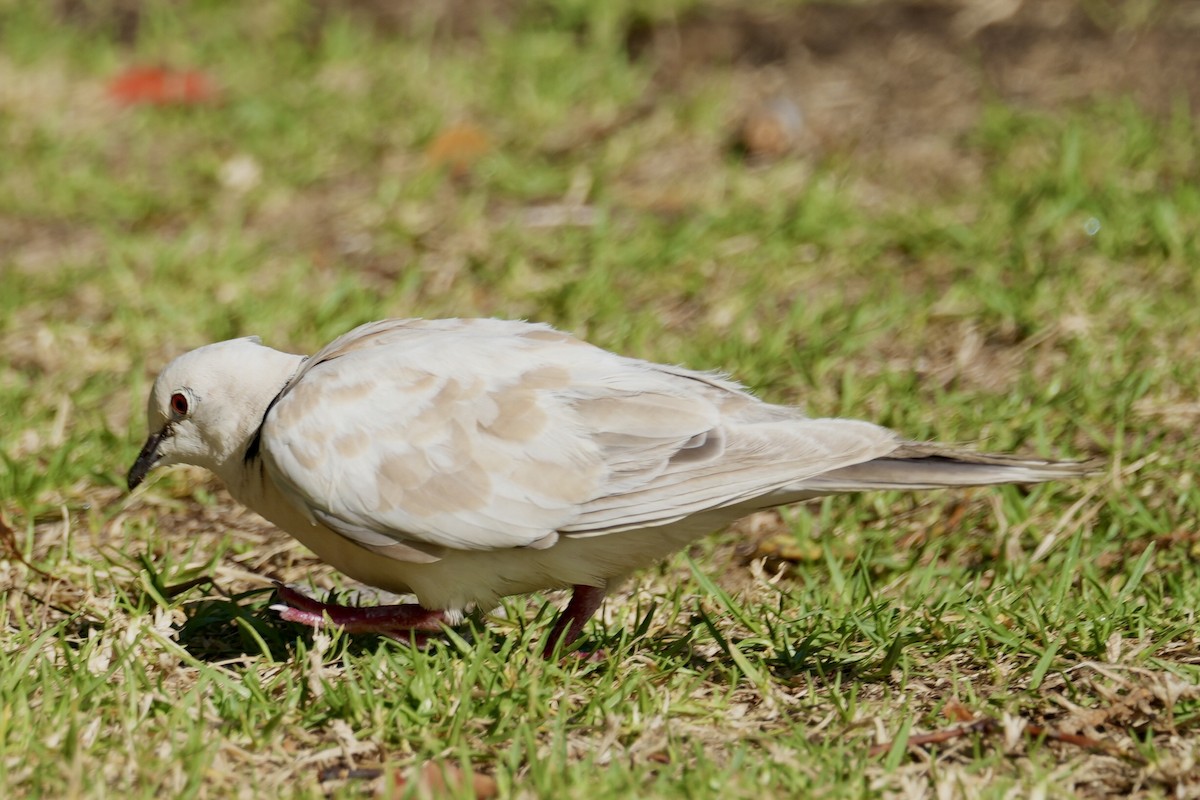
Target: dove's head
(207, 404)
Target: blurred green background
(971, 220)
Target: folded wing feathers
(588, 442)
(756, 459)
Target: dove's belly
(464, 579)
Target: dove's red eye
(179, 404)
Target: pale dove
(466, 460)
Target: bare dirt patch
(906, 80)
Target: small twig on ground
(983, 725)
(180, 588)
(8, 539)
(1079, 740)
(66, 612)
(987, 725)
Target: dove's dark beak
(147, 458)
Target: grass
(1045, 302)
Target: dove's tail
(924, 466)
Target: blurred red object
(459, 147)
(161, 87)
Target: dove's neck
(250, 486)
(261, 382)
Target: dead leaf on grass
(426, 781)
(772, 129)
(160, 86)
(957, 712)
(439, 780)
(458, 148)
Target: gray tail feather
(928, 466)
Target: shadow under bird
(464, 460)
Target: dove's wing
(487, 434)
(439, 432)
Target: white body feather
(466, 460)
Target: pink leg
(404, 622)
(584, 602)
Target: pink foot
(405, 622)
